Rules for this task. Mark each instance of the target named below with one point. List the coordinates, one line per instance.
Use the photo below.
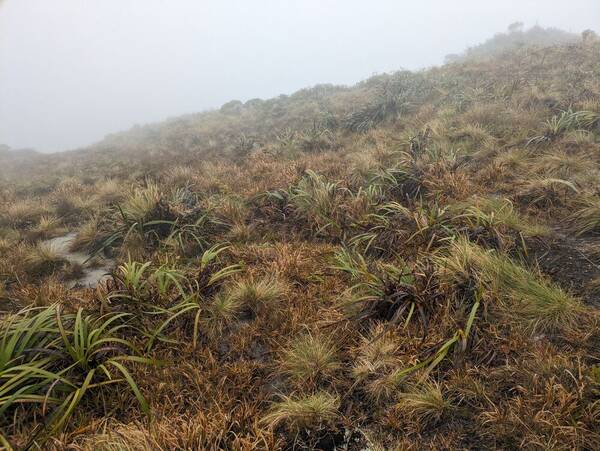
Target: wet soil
(92, 271)
(571, 261)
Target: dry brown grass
(449, 189)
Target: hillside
(412, 262)
(517, 38)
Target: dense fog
(72, 71)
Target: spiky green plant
(563, 122)
(133, 278)
(165, 277)
(97, 354)
(223, 309)
(392, 292)
(27, 358)
(319, 201)
(53, 359)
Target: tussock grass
(319, 201)
(376, 354)
(428, 332)
(498, 218)
(43, 259)
(547, 192)
(5, 244)
(139, 204)
(320, 409)
(424, 403)
(109, 191)
(310, 359)
(521, 293)
(22, 213)
(587, 218)
(253, 293)
(561, 165)
(89, 236)
(221, 312)
(47, 227)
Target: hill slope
(411, 262)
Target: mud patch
(90, 271)
(570, 261)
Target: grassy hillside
(409, 263)
(517, 38)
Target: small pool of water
(95, 270)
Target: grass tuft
(310, 359)
(304, 412)
(520, 292)
(425, 403)
(43, 259)
(587, 218)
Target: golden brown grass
(448, 189)
(310, 359)
(308, 412)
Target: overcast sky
(72, 71)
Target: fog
(72, 71)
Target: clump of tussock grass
(47, 227)
(43, 259)
(561, 165)
(495, 221)
(254, 293)
(376, 354)
(240, 233)
(89, 235)
(475, 135)
(317, 200)
(423, 403)
(520, 293)
(587, 218)
(593, 286)
(229, 209)
(547, 192)
(375, 363)
(592, 105)
(221, 312)
(74, 205)
(506, 162)
(109, 191)
(310, 359)
(180, 176)
(139, 204)
(22, 213)
(5, 244)
(309, 412)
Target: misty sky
(72, 71)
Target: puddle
(94, 271)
